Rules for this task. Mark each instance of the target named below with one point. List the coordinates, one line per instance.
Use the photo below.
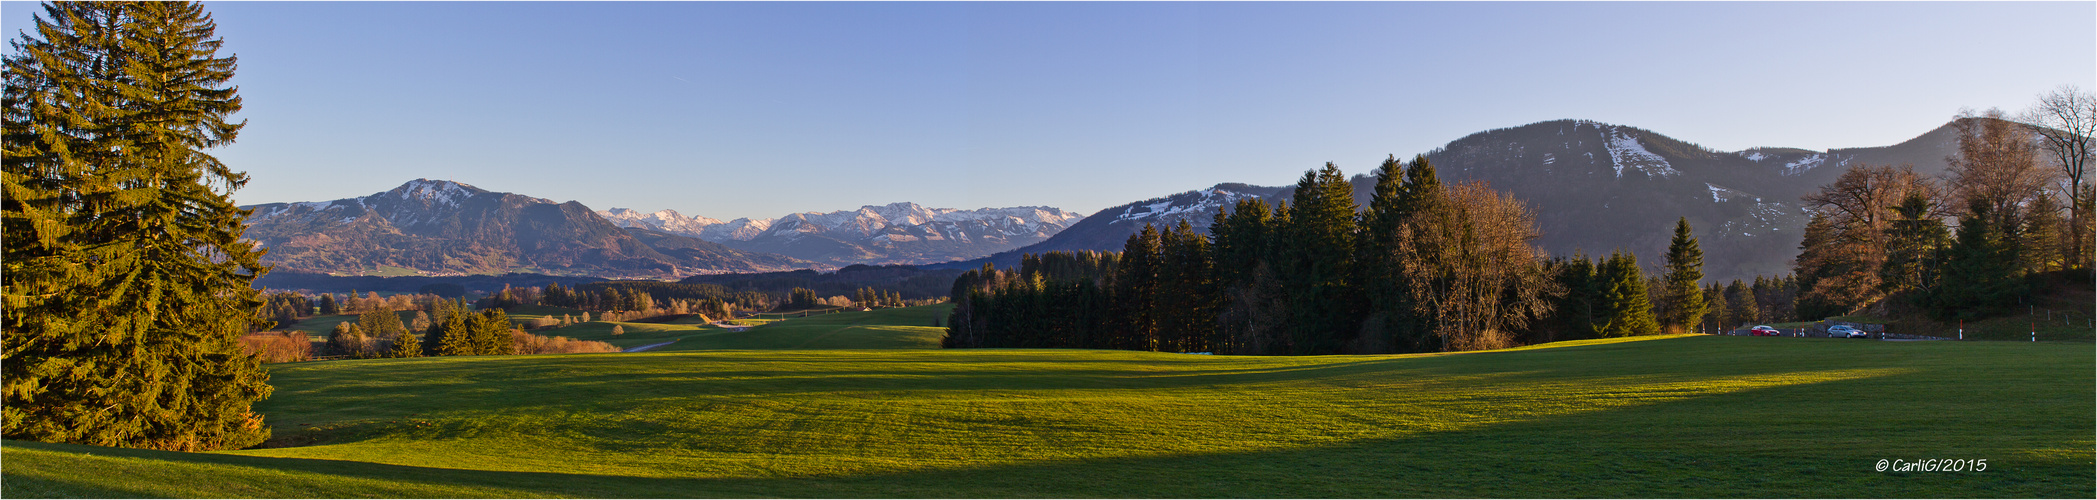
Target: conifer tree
(1318, 253)
(1718, 309)
(1915, 238)
(1630, 310)
(1740, 300)
(1979, 276)
(327, 303)
(1136, 291)
(456, 337)
(126, 282)
(1376, 256)
(493, 336)
(406, 346)
(1685, 270)
(380, 322)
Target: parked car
(1842, 331)
(1762, 331)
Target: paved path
(649, 346)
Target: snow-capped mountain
(444, 227)
(665, 220)
(897, 233)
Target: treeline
(458, 285)
(1879, 232)
(908, 283)
(448, 328)
(1428, 267)
(282, 309)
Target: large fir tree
(1629, 311)
(1685, 269)
(126, 284)
(1319, 250)
(1136, 290)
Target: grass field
(1687, 416)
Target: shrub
(279, 347)
(526, 343)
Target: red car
(1763, 331)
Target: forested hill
(1595, 187)
(445, 227)
(1110, 228)
(1599, 187)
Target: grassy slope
(1684, 416)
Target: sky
(758, 110)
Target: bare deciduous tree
(1471, 269)
(1996, 164)
(2066, 120)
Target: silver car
(1840, 331)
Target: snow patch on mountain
(1626, 152)
(420, 201)
(1803, 165)
(1721, 194)
(1195, 206)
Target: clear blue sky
(761, 109)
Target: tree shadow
(1636, 451)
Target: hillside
(1688, 416)
(1594, 187)
(1110, 229)
(450, 228)
(1598, 187)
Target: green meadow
(863, 405)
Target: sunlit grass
(1666, 416)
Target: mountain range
(431, 227)
(445, 227)
(897, 233)
(1594, 187)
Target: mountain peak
(439, 192)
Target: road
(649, 346)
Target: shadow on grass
(1767, 442)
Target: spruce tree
(1979, 276)
(1319, 251)
(1685, 269)
(493, 336)
(126, 284)
(406, 346)
(1630, 310)
(456, 337)
(1914, 241)
(1136, 291)
(1376, 256)
(1422, 194)
(1740, 301)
